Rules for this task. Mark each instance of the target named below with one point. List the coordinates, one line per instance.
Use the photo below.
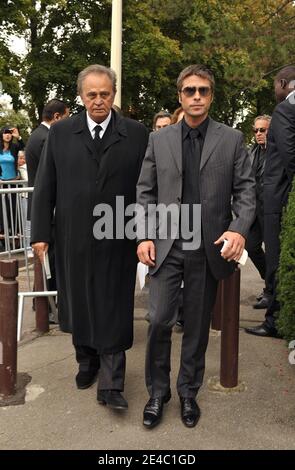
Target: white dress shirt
(92, 124)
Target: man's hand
(235, 246)
(40, 249)
(146, 253)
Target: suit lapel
(175, 144)
(213, 135)
(118, 131)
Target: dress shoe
(153, 410)
(112, 398)
(263, 330)
(190, 411)
(84, 379)
(262, 303)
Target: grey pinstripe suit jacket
(226, 184)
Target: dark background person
(10, 144)
(161, 119)
(197, 161)
(177, 115)
(53, 111)
(278, 176)
(89, 159)
(255, 236)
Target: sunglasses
(259, 129)
(7, 131)
(190, 91)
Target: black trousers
(272, 230)
(254, 247)
(199, 295)
(111, 367)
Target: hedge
(286, 276)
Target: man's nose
(98, 99)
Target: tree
(241, 42)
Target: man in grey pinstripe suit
(195, 162)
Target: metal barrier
(14, 220)
(15, 237)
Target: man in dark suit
(278, 175)
(53, 111)
(197, 163)
(90, 159)
(255, 235)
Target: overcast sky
(18, 45)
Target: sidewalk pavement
(58, 416)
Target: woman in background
(8, 167)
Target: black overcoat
(95, 278)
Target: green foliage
(286, 320)
(242, 42)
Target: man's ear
(283, 83)
(56, 116)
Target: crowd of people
(80, 163)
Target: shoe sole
(153, 425)
(114, 407)
(191, 425)
(83, 387)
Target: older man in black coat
(91, 159)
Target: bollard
(41, 303)
(218, 308)
(230, 330)
(8, 326)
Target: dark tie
(97, 139)
(196, 161)
(191, 167)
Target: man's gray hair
(99, 70)
(265, 117)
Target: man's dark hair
(195, 69)
(52, 107)
(286, 73)
(161, 114)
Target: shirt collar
(44, 123)
(291, 93)
(202, 128)
(92, 124)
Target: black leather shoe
(112, 398)
(262, 303)
(190, 411)
(84, 379)
(153, 410)
(263, 330)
